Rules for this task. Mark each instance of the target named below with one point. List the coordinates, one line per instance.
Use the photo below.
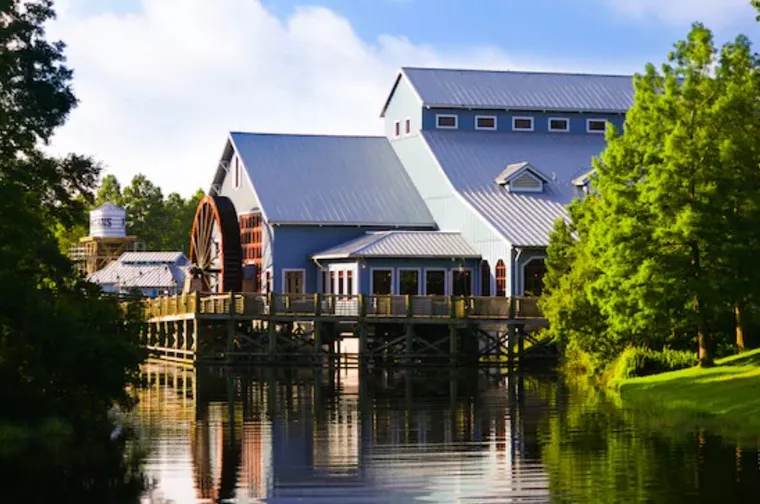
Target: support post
(453, 344)
(318, 342)
(510, 345)
(231, 328)
(271, 328)
(520, 344)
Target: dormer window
(583, 183)
(446, 121)
(522, 178)
(485, 123)
(522, 123)
(596, 125)
(559, 124)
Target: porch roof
(403, 244)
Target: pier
(318, 328)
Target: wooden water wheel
(215, 246)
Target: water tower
(107, 239)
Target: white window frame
(439, 116)
(527, 118)
(495, 122)
(419, 279)
(554, 130)
(408, 121)
(291, 270)
(445, 281)
(451, 278)
(396, 129)
(371, 290)
(595, 132)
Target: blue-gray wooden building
(458, 197)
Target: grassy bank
(724, 398)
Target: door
(294, 282)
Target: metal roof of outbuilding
(127, 276)
(403, 244)
(472, 160)
(152, 257)
(500, 89)
(327, 179)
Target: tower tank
(108, 221)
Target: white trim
(554, 130)
(522, 271)
(527, 118)
(439, 116)
(408, 121)
(451, 278)
(372, 279)
(495, 122)
(303, 279)
(445, 281)
(419, 279)
(263, 275)
(396, 129)
(595, 132)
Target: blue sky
(161, 82)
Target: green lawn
(724, 398)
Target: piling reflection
(278, 435)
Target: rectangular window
(333, 287)
(237, 173)
(596, 125)
(522, 123)
(408, 126)
(293, 282)
(461, 282)
(396, 129)
(409, 282)
(435, 283)
(485, 122)
(340, 283)
(349, 282)
(382, 281)
(559, 124)
(445, 121)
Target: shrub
(638, 361)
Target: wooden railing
(348, 306)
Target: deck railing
(348, 306)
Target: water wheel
(215, 251)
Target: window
(444, 121)
(485, 122)
(435, 283)
(501, 279)
(409, 282)
(485, 279)
(533, 277)
(251, 226)
(461, 282)
(408, 126)
(382, 281)
(349, 282)
(396, 129)
(559, 124)
(237, 173)
(340, 283)
(596, 125)
(293, 281)
(522, 123)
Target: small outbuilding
(149, 273)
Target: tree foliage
(665, 241)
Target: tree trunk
(703, 333)
(738, 317)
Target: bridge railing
(341, 305)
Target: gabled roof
(326, 179)
(152, 257)
(127, 275)
(422, 244)
(584, 178)
(497, 89)
(514, 170)
(524, 219)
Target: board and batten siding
(404, 105)
(450, 212)
(245, 201)
(466, 119)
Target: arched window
(533, 281)
(501, 278)
(485, 279)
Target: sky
(162, 82)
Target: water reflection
(271, 435)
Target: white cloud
(160, 89)
(714, 13)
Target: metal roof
(522, 90)
(471, 160)
(318, 179)
(513, 170)
(127, 276)
(152, 257)
(423, 244)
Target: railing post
(196, 303)
(362, 307)
(317, 305)
(408, 301)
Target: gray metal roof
(424, 244)
(522, 90)
(471, 160)
(313, 179)
(153, 257)
(513, 170)
(127, 276)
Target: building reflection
(216, 434)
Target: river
(300, 435)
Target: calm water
(428, 436)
